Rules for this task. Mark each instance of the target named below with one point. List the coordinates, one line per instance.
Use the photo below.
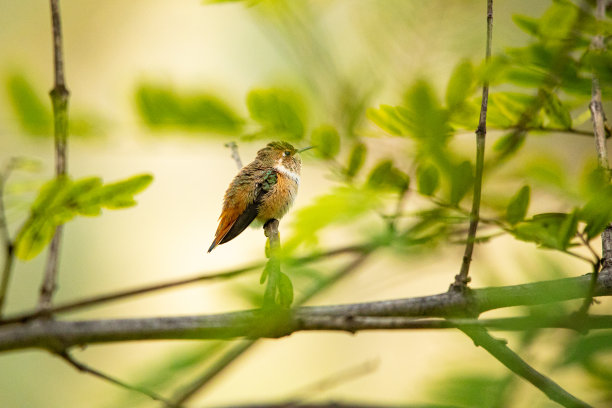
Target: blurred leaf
(517, 208)
(461, 182)
(558, 20)
(161, 106)
(33, 114)
(279, 113)
(460, 85)
(506, 108)
(557, 114)
(356, 160)
(385, 176)
(61, 199)
(469, 390)
(428, 179)
(341, 205)
(597, 212)
(326, 140)
(550, 230)
(527, 24)
(285, 290)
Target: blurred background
(336, 57)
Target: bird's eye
(286, 153)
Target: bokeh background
(116, 51)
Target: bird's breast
(278, 201)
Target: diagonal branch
(59, 98)
(66, 356)
(462, 279)
(502, 353)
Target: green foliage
(326, 140)
(61, 199)
(557, 115)
(33, 115)
(285, 290)
(356, 160)
(341, 205)
(469, 390)
(460, 85)
(386, 176)
(517, 208)
(279, 112)
(597, 212)
(462, 179)
(163, 107)
(550, 230)
(428, 179)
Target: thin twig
(235, 155)
(502, 353)
(7, 243)
(462, 279)
(96, 373)
(59, 98)
(201, 381)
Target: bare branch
(462, 279)
(7, 242)
(59, 335)
(96, 373)
(59, 98)
(235, 155)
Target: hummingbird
(263, 190)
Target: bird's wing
(239, 214)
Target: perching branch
(273, 265)
(462, 279)
(59, 98)
(258, 323)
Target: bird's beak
(306, 148)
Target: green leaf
(61, 199)
(557, 114)
(550, 230)
(462, 179)
(428, 179)
(356, 160)
(527, 24)
(266, 270)
(32, 113)
(326, 140)
(517, 208)
(33, 237)
(558, 21)
(285, 290)
(279, 112)
(340, 206)
(597, 212)
(385, 176)
(162, 107)
(460, 85)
